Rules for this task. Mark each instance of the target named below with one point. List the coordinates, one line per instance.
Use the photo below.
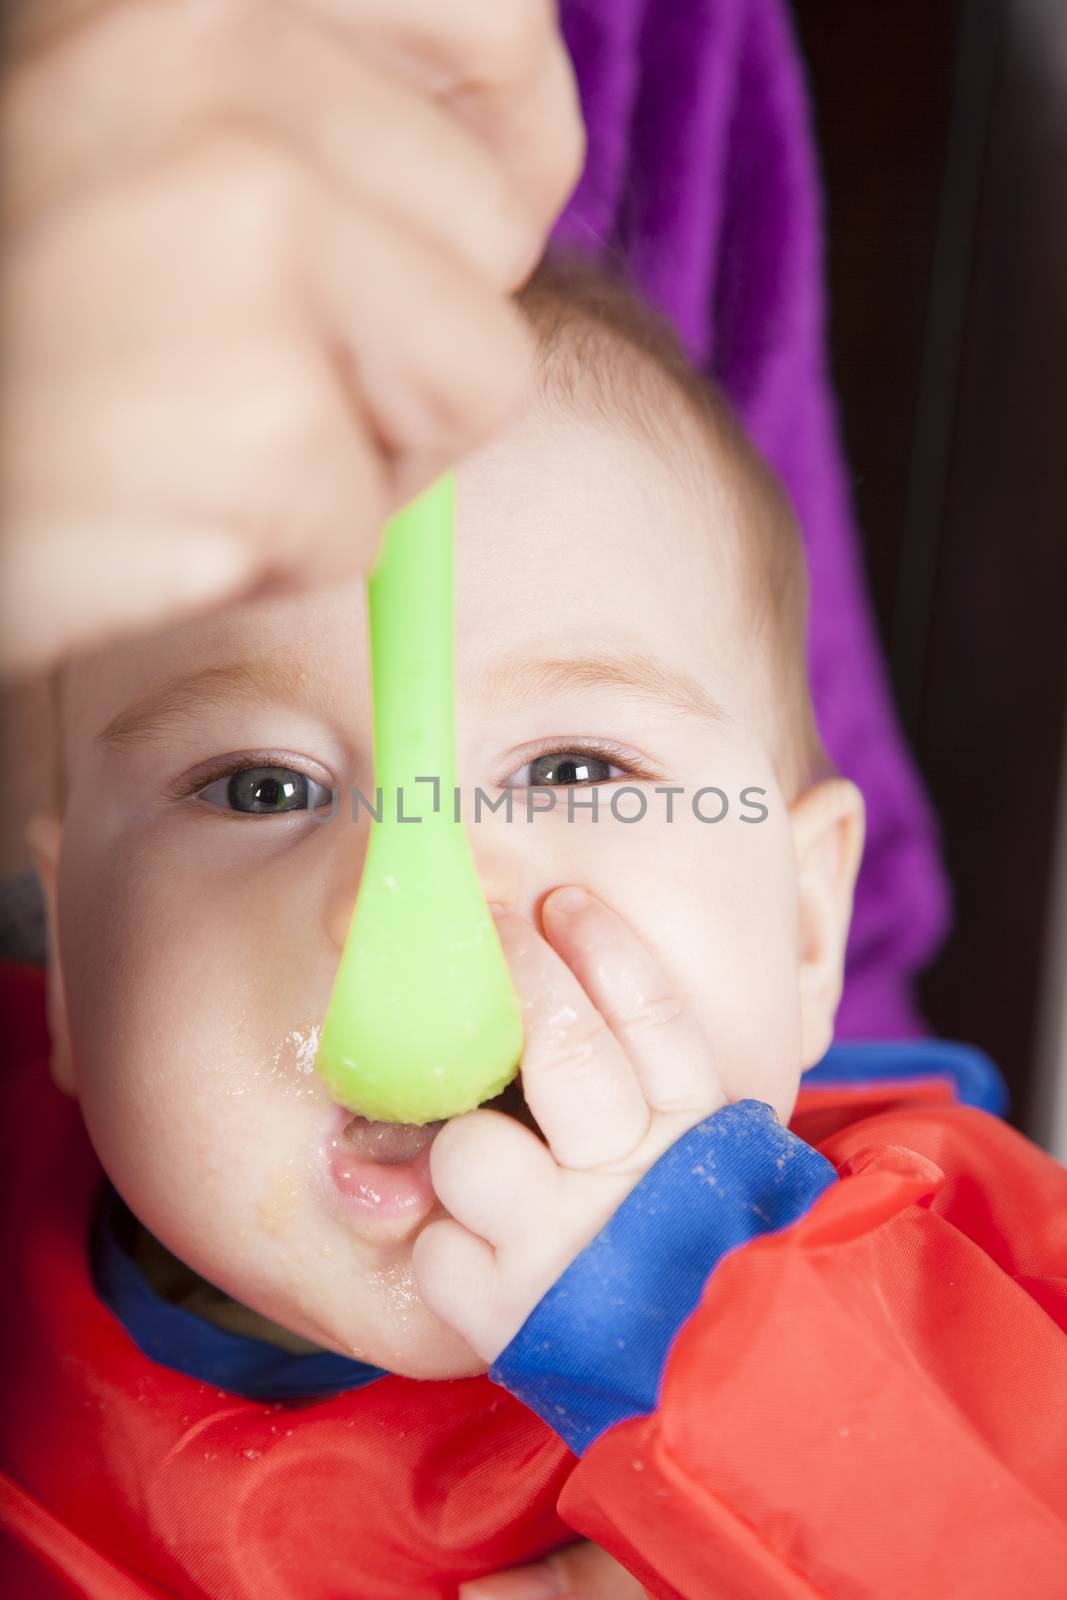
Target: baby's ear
(828, 829)
(43, 835)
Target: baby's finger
(661, 1037)
(575, 1075)
(456, 1274)
(487, 1170)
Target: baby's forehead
(668, 428)
(229, 653)
(605, 351)
(575, 542)
(578, 517)
(605, 354)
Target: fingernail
(569, 900)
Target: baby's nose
(345, 871)
(497, 885)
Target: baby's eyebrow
(511, 681)
(273, 677)
(517, 678)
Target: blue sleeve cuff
(592, 1351)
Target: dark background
(943, 131)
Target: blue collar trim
(975, 1080)
(186, 1343)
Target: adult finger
(584, 1571)
(440, 361)
(284, 75)
(503, 68)
(295, 415)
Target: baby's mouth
(387, 1144)
(379, 1172)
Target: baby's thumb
(583, 1572)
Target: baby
(631, 1257)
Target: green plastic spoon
(424, 1021)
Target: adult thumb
(581, 1572)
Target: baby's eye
(264, 791)
(564, 768)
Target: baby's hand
(615, 1069)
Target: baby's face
(199, 942)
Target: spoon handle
(412, 632)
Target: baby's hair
(590, 323)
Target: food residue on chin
(277, 1205)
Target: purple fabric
(702, 173)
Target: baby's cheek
(194, 1000)
(174, 1006)
(740, 959)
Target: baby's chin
(436, 1360)
(397, 1331)
(317, 1278)
(393, 1330)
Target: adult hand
(257, 261)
